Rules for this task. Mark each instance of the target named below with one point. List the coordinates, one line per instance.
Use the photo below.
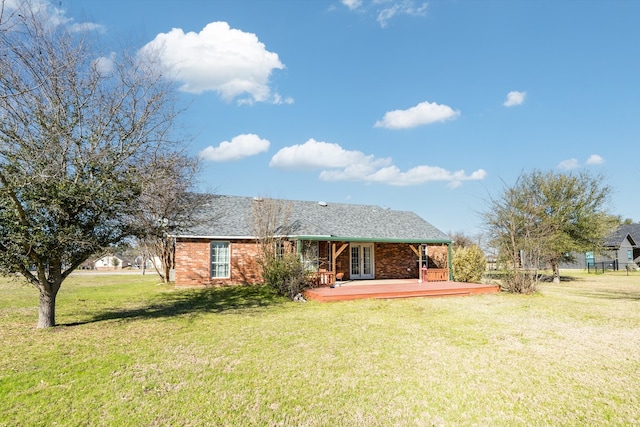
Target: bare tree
(76, 129)
(270, 225)
(282, 268)
(168, 204)
(460, 240)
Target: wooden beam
(335, 256)
(415, 251)
(342, 248)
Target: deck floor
(401, 288)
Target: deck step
(391, 291)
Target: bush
(469, 264)
(519, 282)
(286, 275)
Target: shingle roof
(232, 217)
(615, 238)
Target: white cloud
(105, 65)
(568, 164)
(394, 8)
(392, 175)
(595, 159)
(422, 114)
(239, 147)
(352, 4)
(385, 10)
(515, 98)
(51, 14)
(86, 26)
(338, 164)
(228, 61)
(319, 155)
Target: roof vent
(322, 203)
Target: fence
(611, 265)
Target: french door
(361, 261)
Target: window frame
(227, 263)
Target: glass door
(362, 261)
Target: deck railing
(436, 275)
(322, 278)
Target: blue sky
(413, 105)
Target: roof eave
(369, 239)
(211, 237)
(317, 238)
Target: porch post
(332, 247)
(449, 262)
(426, 261)
(420, 265)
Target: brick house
(337, 240)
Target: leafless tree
(168, 204)
(460, 240)
(270, 222)
(282, 268)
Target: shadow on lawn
(209, 300)
(611, 294)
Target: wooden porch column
(334, 256)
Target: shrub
(286, 275)
(519, 282)
(469, 264)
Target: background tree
(460, 240)
(168, 204)
(75, 128)
(282, 268)
(544, 218)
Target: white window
(279, 249)
(220, 260)
(310, 257)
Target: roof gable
(232, 217)
(625, 231)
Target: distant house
(352, 242)
(145, 263)
(621, 249)
(108, 262)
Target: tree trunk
(47, 310)
(556, 272)
(168, 254)
(167, 272)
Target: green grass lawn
(130, 352)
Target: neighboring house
(352, 242)
(108, 262)
(145, 263)
(621, 249)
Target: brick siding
(396, 260)
(193, 263)
(392, 261)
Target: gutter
(368, 239)
(320, 238)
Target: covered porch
(366, 261)
(396, 288)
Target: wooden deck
(402, 288)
